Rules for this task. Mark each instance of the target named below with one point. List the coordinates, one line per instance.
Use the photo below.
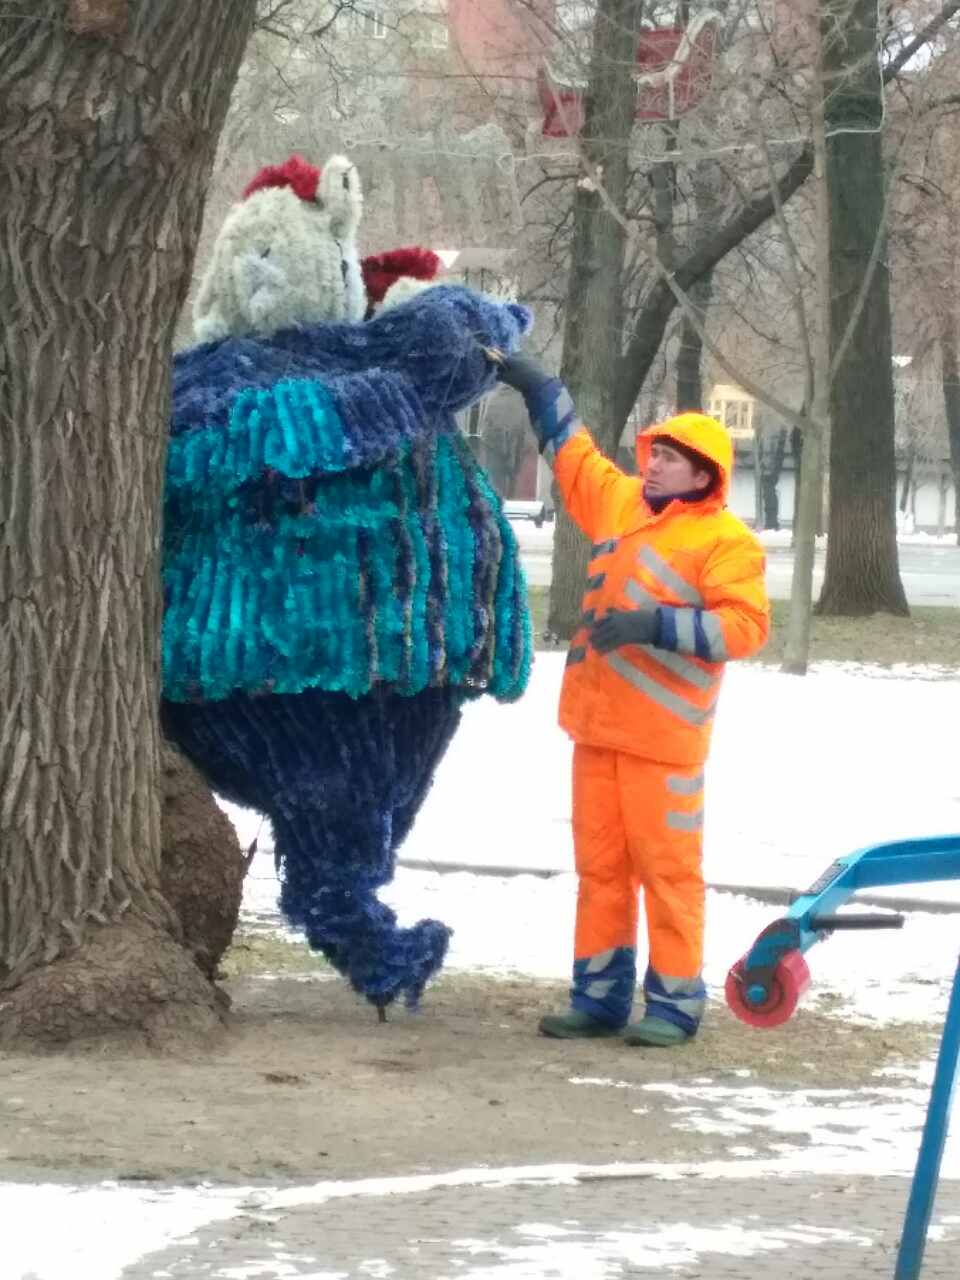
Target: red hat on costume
(381, 270)
(302, 178)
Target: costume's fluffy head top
(286, 255)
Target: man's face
(669, 472)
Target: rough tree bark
(594, 308)
(109, 117)
(862, 573)
(950, 373)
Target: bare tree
(109, 116)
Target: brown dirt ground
(304, 1083)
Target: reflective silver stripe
(693, 1006)
(673, 662)
(639, 594)
(597, 963)
(681, 667)
(685, 994)
(603, 548)
(714, 633)
(685, 821)
(657, 693)
(577, 654)
(681, 786)
(686, 635)
(668, 576)
(690, 987)
(597, 580)
(599, 990)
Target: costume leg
(341, 780)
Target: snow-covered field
(802, 771)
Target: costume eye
(346, 182)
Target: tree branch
(660, 301)
(923, 37)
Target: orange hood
(699, 432)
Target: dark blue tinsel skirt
(341, 780)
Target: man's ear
(702, 480)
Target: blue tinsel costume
(338, 578)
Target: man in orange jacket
(675, 589)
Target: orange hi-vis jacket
(695, 558)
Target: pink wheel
(791, 978)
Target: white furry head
(286, 256)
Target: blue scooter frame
(764, 986)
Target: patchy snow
(869, 976)
(801, 772)
(103, 1230)
(875, 759)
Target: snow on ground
(872, 975)
(103, 1230)
(801, 772)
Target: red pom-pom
(381, 270)
(302, 178)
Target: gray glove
(625, 626)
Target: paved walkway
(594, 1229)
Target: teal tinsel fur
(339, 576)
(281, 600)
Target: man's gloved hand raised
(552, 413)
(625, 626)
(524, 374)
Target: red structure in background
(501, 37)
(674, 71)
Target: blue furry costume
(338, 578)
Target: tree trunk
(950, 373)
(862, 571)
(806, 513)
(593, 329)
(809, 490)
(690, 354)
(796, 448)
(108, 127)
(201, 864)
(907, 480)
(772, 454)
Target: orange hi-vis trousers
(637, 825)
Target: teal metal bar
(927, 1174)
